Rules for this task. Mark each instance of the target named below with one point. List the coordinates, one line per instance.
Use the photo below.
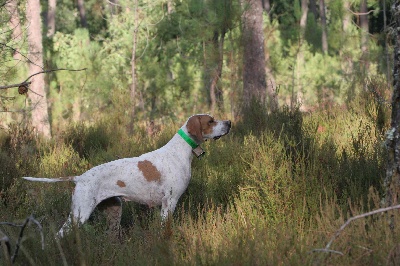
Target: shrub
(87, 139)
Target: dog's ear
(194, 128)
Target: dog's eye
(211, 121)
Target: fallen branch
(336, 235)
(5, 243)
(5, 238)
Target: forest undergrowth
(270, 193)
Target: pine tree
(37, 94)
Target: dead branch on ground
(336, 235)
(4, 240)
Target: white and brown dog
(156, 178)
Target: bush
(87, 139)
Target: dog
(155, 178)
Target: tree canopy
(189, 55)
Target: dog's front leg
(167, 207)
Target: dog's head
(202, 127)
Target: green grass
(265, 196)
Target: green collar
(188, 140)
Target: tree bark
(271, 85)
(216, 97)
(133, 68)
(266, 6)
(323, 26)
(392, 179)
(364, 34)
(254, 76)
(300, 57)
(170, 7)
(37, 93)
(304, 13)
(15, 25)
(82, 13)
(386, 43)
(313, 9)
(346, 16)
(51, 18)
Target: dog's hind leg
(83, 204)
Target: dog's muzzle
(228, 125)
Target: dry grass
(265, 197)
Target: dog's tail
(49, 180)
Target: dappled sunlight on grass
(266, 196)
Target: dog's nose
(228, 123)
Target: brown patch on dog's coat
(121, 183)
(199, 124)
(150, 172)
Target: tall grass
(266, 194)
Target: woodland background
(307, 84)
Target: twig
(359, 13)
(53, 70)
(26, 82)
(21, 233)
(327, 251)
(5, 242)
(327, 247)
(14, 85)
(16, 51)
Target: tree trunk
(51, 18)
(313, 9)
(113, 6)
(170, 7)
(300, 57)
(216, 96)
(347, 64)
(346, 16)
(323, 26)
(392, 179)
(266, 6)
(15, 25)
(364, 34)
(304, 13)
(388, 78)
(254, 76)
(133, 68)
(37, 93)
(271, 85)
(82, 13)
